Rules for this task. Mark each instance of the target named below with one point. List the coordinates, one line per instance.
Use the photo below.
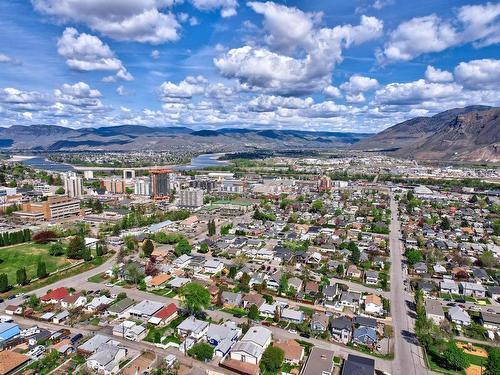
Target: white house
(252, 345)
(107, 359)
(213, 266)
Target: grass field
(27, 255)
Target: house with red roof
(55, 296)
(165, 315)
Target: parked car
(304, 334)
(292, 331)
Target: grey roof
(364, 321)
(93, 343)
(490, 317)
(146, 307)
(248, 347)
(221, 332)
(357, 365)
(457, 313)
(292, 314)
(341, 323)
(365, 331)
(192, 324)
(105, 355)
(330, 290)
(320, 361)
(258, 335)
(231, 298)
(433, 307)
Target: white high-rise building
(72, 185)
(191, 198)
(142, 186)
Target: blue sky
(319, 65)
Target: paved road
(408, 354)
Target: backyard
(28, 255)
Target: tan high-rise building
(114, 185)
(72, 185)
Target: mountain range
(468, 134)
(463, 134)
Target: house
(353, 271)
(92, 344)
(365, 336)
(494, 292)
(295, 283)
(60, 317)
(11, 361)
(357, 365)
(490, 321)
(222, 337)
(268, 310)
(165, 315)
(350, 300)
(120, 307)
(136, 333)
(192, 328)
(420, 268)
(448, 286)
(371, 277)
(8, 331)
(373, 304)
(55, 296)
(439, 269)
(330, 292)
(230, 299)
(252, 299)
(178, 282)
(341, 329)
(472, 289)
(159, 281)
(319, 322)
(427, 287)
(459, 316)
(107, 359)
(13, 310)
(319, 362)
(311, 288)
(73, 301)
(144, 310)
(182, 261)
(98, 303)
(294, 352)
(292, 316)
(252, 345)
(213, 266)
(434, 311)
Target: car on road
(379, 290)
(1, 300)
(459, 300)
(11, 296)
(237, 315)
(292, 331)
(109, 285)
(462, 306)
(490, 310)
(306, 335)
(475, 308)
(451, 304)
(480, 303)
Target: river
(198, 162)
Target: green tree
(183, 247)
(244, 282)
(21, 276)
(355, 253)
(99, 250)
(41, 270)
(195, 297)
(56, 249)
(60, 191)
(148, 248)
(232, 272)
(76, 248)
(133, 274)
(204, 248)
(4, 283)
(492, 365)
(253, 312)
(340, 270)
(445, 223)
(87, 254)
(272, 359)
(318, 206)
(202, 351)
(413, 256)
(455, 358)
(496, 227)
(283, 288)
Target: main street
(408, 353)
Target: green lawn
(27, 255)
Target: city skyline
(211, 64)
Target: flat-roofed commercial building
(53, 208)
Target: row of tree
(13, 238)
